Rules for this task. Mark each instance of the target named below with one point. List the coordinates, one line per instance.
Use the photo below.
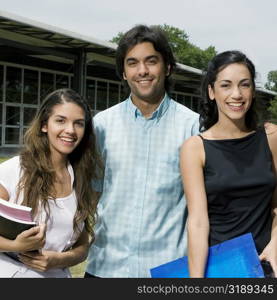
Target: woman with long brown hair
(53, 175)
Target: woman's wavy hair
(38, 176)
(208, 109)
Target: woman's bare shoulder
(193, 150)
(192, 142)
(271, 132)
(270, 128)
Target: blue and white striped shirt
(142, 208)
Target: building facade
(37, 59)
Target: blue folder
(235, 258)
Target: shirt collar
(157, 114)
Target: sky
(246, 25)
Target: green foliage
(272, 86)
(272, 81)
(273, 110)
(184, 51)
(117, 38)
(178, 39)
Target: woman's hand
(47, 259)
(40, 260)
(270, 254)
(31, 239)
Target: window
(181, 98)
(1, 82)
(113, 94)
(62, 81)
(30, 90)
(46, 84)
(195, 104)
(102, 94)
(12, 115)
(12, 136)
(28, 115)
(24, 131)
(13, 85)
(91, 93)
(1, 112)
(188, 101)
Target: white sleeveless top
(59, 233)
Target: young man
(142, 207)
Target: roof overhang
(46, 41)
(42, 39)
(265, 91)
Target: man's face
(145, 72)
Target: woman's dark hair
(140, 34)
(208, 108)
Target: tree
(116, 39)
(272, 81)
(272, 86)
(184, 51)
(273, 110)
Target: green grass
(78, 271)
(3, 159)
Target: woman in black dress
(229, 170)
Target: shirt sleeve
(195, 126)
(97, 184)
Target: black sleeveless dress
(239, 183)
